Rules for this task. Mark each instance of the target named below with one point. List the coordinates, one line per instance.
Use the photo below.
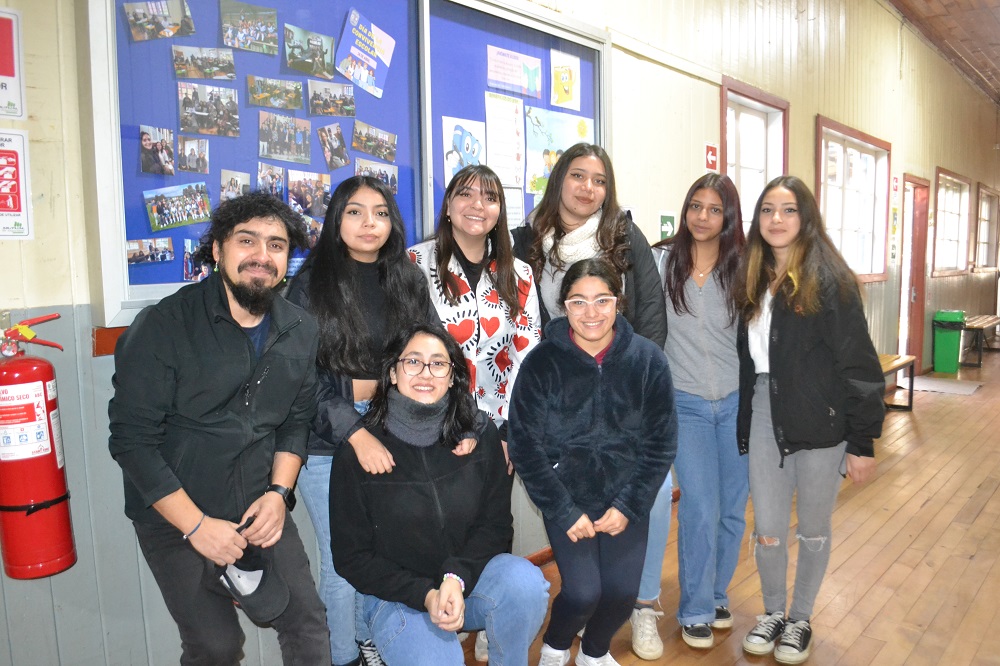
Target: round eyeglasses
(414, 366)
(603, 305)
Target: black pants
(203, 609)
(600, 583)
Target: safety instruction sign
(15, 201)
(24, 431)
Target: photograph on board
(387, 173)
(331, 139)
(193, 270)
(274, 93)
(249, 27)
(192, 62)
(207, 109)
(309, 52)
(374, 141)
(158, 20)
(283, 138)
(149, 250)
(192, 154)
(271, 179)
(233, 184)
(177, 206)
(331, 99)
(308, 192)
(156, 150)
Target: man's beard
(254, 296)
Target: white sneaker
(553, 657)
(646, 641)
(606, 660)
(482, 647)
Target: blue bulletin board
(413, 86)
(508, 90)
(248, 94)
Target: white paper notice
(505, 137)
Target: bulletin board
(511, 90)
(205, 76)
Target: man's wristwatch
(285, 492)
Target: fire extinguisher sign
(23, 429)
(15, 187)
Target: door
(913, 280)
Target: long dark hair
(731, 241)
(336, 296)
(812, 257)
(612, 230)
(460, 418)
(500, 260)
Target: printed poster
(514, 72)
(548, 134)
(15, 187)
(365, 53)
(11, 67)
(505, 137)
(565, 80)
(464, 144)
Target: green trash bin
(948, 339)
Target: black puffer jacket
(194, 409)
(825, 378)
(395, 535)
(584, 437)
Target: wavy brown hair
(812, 258)
(500, 253)
(612, 230)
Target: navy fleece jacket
(584, 437)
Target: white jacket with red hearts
(494, 346)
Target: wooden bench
(892, 363)
(979, 324)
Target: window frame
(757, 98)
(823, 125)
(983, 189)
(940, 172)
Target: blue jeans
(711, 517)
(509, 602)
(342, 607)
(659, 530)
(600, 582)
(814, 476)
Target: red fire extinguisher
(36, 535)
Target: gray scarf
(415, 423)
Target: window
(853, 175)
(951, 228)
(755, 125)
(987, 228)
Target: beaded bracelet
(188, 535)
(455, 577)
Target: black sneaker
(370, 655)
(723, 618)
(761, 638)
(795, 643)
(698, 636)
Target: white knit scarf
(578, 244)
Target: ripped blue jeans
(816, 475)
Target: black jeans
(203, 609)
(600, 583)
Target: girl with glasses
(427, 545)
(592, 435)
(579, 218)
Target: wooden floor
(913, 575)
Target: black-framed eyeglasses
(414, 366)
